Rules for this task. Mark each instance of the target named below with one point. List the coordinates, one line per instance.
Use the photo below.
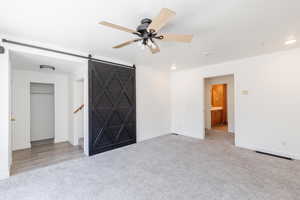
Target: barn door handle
(78, 109)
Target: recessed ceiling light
(173, 67)
(288, 42)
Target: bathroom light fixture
(288, 42)
(47, 67)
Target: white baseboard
(201, 137)
(25, 146)
(284, 154)
(278, 153)
(140, 139)
(61, 140)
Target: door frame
(13, 113)
(204, 78)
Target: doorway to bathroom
(219, 108)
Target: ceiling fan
(148, 31)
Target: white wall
(86, 110)
(79, 101)
(71, 135)
(187, 110)
(229, 80)
(82, 77)
(21, 105)
(266, 119)
(78, 118)
(4, 115)
(153, 102)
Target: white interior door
(41, 111)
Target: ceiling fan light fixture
(143, 47)
(151, 44)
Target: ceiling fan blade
(177, 38)
(126, 43)
(121, 28)
(154, 49)
(162, 19)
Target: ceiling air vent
(47, 67)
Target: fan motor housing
(142, 28)
(146, 21)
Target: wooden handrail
(78, 109)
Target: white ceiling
(231, 29)
(32, 62)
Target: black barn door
(112, 107)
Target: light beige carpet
(165, 168)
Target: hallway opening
(219, 108)
(45, 128)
